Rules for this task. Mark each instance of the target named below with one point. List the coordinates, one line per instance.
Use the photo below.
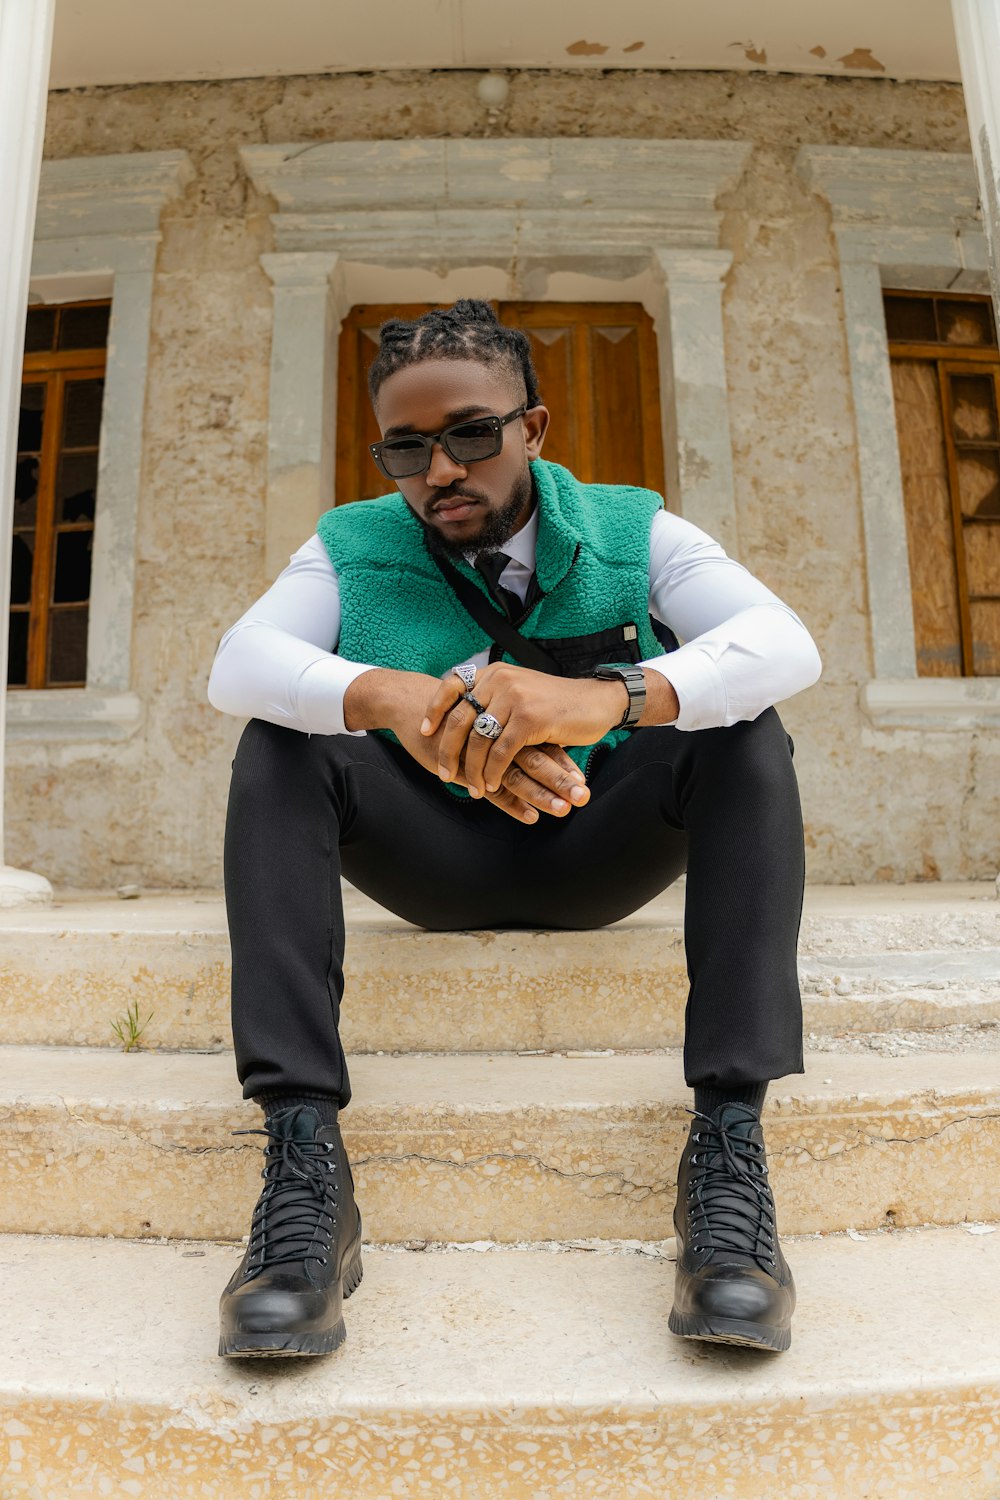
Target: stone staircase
(509, 1340)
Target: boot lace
(729, 1198)
(295, 1201)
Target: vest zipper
(525, 612)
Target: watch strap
(635, 684)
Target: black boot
(733, 1284)
(304, 1256)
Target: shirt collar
(521, 546)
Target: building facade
(774, 288)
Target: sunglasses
(464, 442)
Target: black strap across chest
(490, 566)
(529, 653)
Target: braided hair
(469, 329)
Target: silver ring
(489, 727)
(467, 672)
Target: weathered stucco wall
(879, 805)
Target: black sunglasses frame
(429, 439)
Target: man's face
(466, 507)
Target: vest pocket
(578, 655)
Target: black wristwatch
(635, 682)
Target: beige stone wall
(878, 806)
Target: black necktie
(491, 565)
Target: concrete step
(505, 1375)
(491, 1146)
(872, 958)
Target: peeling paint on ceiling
(97, 41)
(861, 57)
(751, 53)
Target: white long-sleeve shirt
(743, 649)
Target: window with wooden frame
(946, 383)
(597, 373)
(55, 493)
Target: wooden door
(597, 374)
(946, 383)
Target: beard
(498, 527)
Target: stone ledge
(871, 957)
(118, 194)
(78, 715)
(371, 198)
(932, 702)
(932, 189)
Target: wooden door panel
(924, 468)
(552, 352)
(617, 404)
(605, 413)
(355, 475)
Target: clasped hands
(525, 770)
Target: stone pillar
(301, 435)
(699, 454)
(977, 31)
(25, 49)
(886, 549)
(112, 578)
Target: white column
(693, 385)
(977, 31)
(302, 415)
(25, 49)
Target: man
(396, 736)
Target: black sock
(708, 1097)
(325, 1105)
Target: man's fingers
(508, 803)
(561, 758)
(520, 794)
(550, 765)
(516, 740)
(534, 792)
(454, 739)
(501, 752)
(448, 693)
(477, 748)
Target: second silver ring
(488, 726)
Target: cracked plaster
(481, 1170)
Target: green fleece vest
(592, 563)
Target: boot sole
(282, 1345)
(731, 1331)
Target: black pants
(722, 803)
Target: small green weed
(130, 1030)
